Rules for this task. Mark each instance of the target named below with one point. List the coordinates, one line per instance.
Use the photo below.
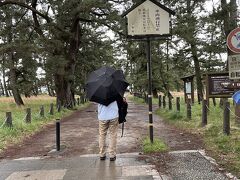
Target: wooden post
(58, 134)
(28, 118)
(207, 89)
(82, 99)
(164, 101)
(237, 113)
(169, 103)
(178, 103)
(204, 113)
(160, 101)
(214, 102)
(78, 101)
(189, 109)
(74, 101)
(51, 109)
(145, 98)
(9, 119)
(41, 111)
(192, 91)
(226, 120)
(185, 94)
(58, 107)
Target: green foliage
(198, 37)
(157, 146)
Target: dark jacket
(122, 110)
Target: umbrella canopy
(105, 85)
(236, 97)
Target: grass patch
(157, 146)
(137, 100)
(20, 129)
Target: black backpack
(122, 112)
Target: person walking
(108, 120)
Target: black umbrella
(105, 85)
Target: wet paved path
(78, 158)
(86, 167)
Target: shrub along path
(79, 136)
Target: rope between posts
(3, 123)
(214, 109)
(233, 113)
(208, 108)
(36, 116)
(25, 117)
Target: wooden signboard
(217, 85)
(148, 19)
(188, 87)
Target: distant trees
(197, 45)
(57, 30)
(65, 40)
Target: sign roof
(148, 19)
(153, 1)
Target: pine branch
(15, 2)
(36, 22)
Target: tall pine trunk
(197, 73)
(4, 78)
(12, 73)
(193, 47)
(64, 82)
(13, 82)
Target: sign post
(150, 89)
(148, 20)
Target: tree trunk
(50, 86)
(35, 89)
(64, 82)
(4, 78)
(63, 90)
(12, 73)
(155, 93)
(192, 43)
(49, 89)
(1, 88)
(14, 88)
(197, 73)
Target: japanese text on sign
(234, 66)
(148, 18)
